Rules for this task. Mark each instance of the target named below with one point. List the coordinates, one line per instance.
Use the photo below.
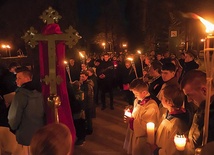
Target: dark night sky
(17, 16)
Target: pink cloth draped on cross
(64, 111)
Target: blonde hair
(52, 139)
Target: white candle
(150, 127)
(180, 142)
(127, 113)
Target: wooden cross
(70, 38)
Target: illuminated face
(167, 75)
(21, 79)
(128, 64)
(83, 77)
(139, 95)
(164, 102)
(147, 61)
(83, 67)
(195, 95)
(105, 57)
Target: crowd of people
(164, 89)
(159, 88)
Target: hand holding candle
(180, 142)
(68, 70)
(150, 127)
(128, 113)
(133, 65)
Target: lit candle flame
(209, 26)
(150, 128)
(124, 45)
(138, 51)
(128, 113)
(65, 62)
(81, 55)
(5, 46)
(180, 142)
(130, 59)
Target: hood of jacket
(29, 89)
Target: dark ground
(109, 131)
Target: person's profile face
(188, 58)
(139, 95)
(21, 79)
(83, 77)
(195, 95)
(164, 102)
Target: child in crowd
(174, 121)
(144, 110)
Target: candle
(81, 55)
(150, 127)
(68, 70)
(180, 142)
(133, 65)
(127, 113)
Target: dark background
(143, 24)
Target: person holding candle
(144, 110)
(127, 75)
(194, 86)
(174, 121)
(87, 86)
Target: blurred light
(130, 59)
(65, 62)
(81, 55)
(124, 45)
(139, 51)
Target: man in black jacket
(194, 86)
(87, 86)
(105, 74)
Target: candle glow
(180, 142)
(209, 26)
(81, 55)
(150, 127)
(130, 59)
(65, 62)
(127, 113)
